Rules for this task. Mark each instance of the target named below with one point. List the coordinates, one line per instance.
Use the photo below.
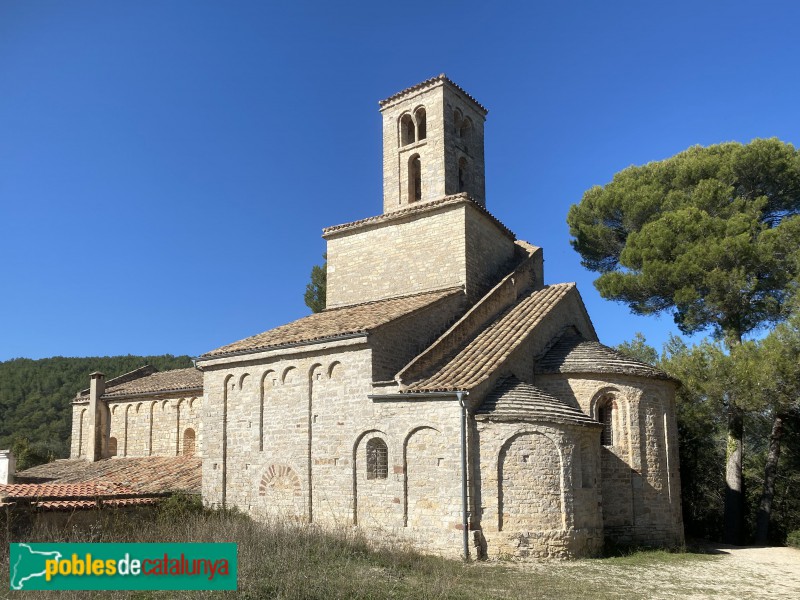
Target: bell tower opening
(432, 145)
(414, 179)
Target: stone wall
(154, 425)
(78, 441)
(539, 489)
(448, 246)
(440, 152)
(396, 343)
(640, 475)
(310, 461)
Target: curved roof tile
(573, 354)
(335, 322)
(514, 400)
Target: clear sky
(166, 168)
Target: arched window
(414, 179)
(377, 459)
(188, 442)
(406, 130)
(112, 446)
(462, 174)
(457, 120)
(422, 130)
(464, 130)
(605, 414)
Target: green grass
(303, 562)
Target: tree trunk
(770, 470)
(734, 489)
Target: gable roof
(164, 381)
(514, 400)
(336, 323)
(146, 380)
(147, 474)
(574, 354)
(480, 356)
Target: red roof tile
(480, 356)
(335, 322)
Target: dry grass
(302, 562)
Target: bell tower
(432, 145)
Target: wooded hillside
(35, 397)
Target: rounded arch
(288, 375)
(334, 369)
(165, 405)
(270, 375)
(242, 379)
(601, 393)
(191, 402)
(315, 372)
(465, 130)
(530, 473)
(407, 494)
(282, 489)
(375, 433)
(407, 129)
(458, 118)
(420, 118)
(114, 409)
(112, 446)
(189, 441)
(180, 402)
(138, 407)
(377, 461)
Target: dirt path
(726, 572)
(749, 573)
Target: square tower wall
(439, 124)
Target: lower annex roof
(335, 322)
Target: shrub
(793, 539)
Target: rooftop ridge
(138, 373)
(419, 208)
(441, 78)
(476, 360)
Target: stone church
(446, 396)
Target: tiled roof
(513, 400)
(420, 208)
(573, 354)
(149, 474)
(428, 83)
(78, 484)
(480, 356)
(146, 380)
(336, 322)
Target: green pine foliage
(317, 287)
(710, 235)
(35, 399)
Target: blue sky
(166, 168)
